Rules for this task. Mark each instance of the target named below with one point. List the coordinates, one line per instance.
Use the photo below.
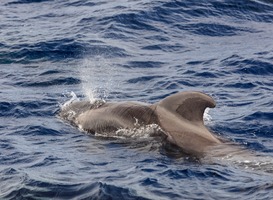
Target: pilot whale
(180, 116)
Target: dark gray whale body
(180, 116)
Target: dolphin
(179, 115)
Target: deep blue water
(135, 51)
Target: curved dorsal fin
(189, 105)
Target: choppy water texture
(132, 50)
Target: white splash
(72, 99)
(141, 132)
(207, 117)
(97, 77)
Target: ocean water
(132, 51)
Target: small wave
(11, 182)
(27, 1)
(260, 116)
(144, 79)
(50, 72)
(133, 21)
(40, 130)
(244, 10)
(51, 82)
(206, 74)
(25, 108)
(249, 66)
(142, 64)
(82, 3)
(57, 50)
(108, 191)
(31, 187)
(50, 50)
(245, 85)
(211, 29)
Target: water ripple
(135, 50)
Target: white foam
(140, 132)
(207, 117)
(72, 99)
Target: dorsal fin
(189, 105)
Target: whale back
(188, 105)
(107, 117)
(134, 112)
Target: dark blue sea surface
(135, 51)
